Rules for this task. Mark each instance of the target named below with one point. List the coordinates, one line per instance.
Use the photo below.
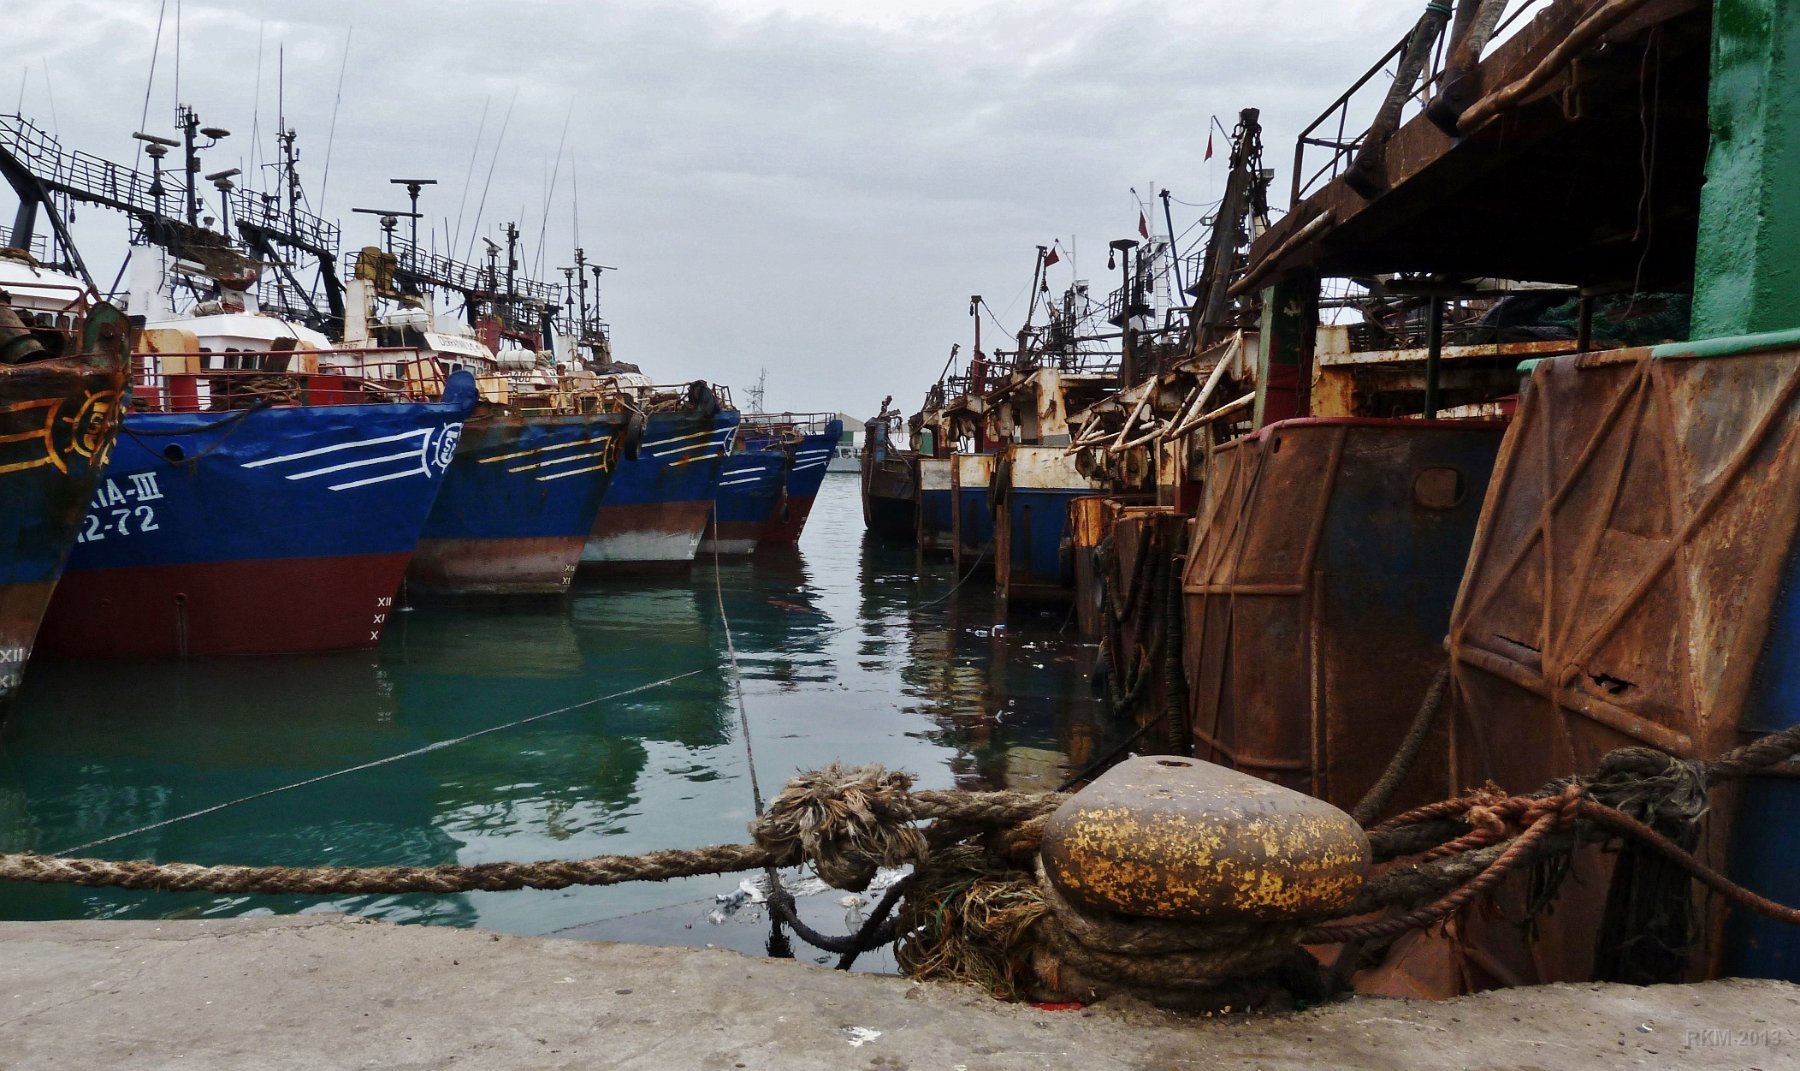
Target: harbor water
(849, 649)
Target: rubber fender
(633, 436)
(702, 399)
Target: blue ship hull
(1029, 543)
(974, 523)
(258, 531)
(657, 506)
(812, 457)
(750, 485)
(1762, 859)
(517, 504)
(936, 522)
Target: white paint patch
(860, 1035)
(641, 547)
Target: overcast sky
(806, 186)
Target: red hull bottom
(536, 565)
(788, 531)
(654, 537)
(273, 606)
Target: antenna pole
(189, 124)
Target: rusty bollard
(1188, 884)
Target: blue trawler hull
(811, 459)
(517, 504)
(257, 531)
(750, 485)
(655, 510)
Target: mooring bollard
(1188, 884)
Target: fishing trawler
(750, 486)
(267, 491)
(64, 355)
(540, 451)
(656, 509)
(890, 477)
(809, 441)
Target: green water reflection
(847, 648)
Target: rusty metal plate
(1624, 581)
(1318, 589)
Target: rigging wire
(1649, 116)
(1004, 330)
(251, 174)
(331, 137)
(537, 269)
(1197, 204)
(50, 94)
(455, 236)
(481, 207)
(149, 83)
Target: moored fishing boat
(537, 455)
(890, 478)
(657, 506)
(267, 491)
(750, 484)
(254, 510)
(810, 440)
(63, 361)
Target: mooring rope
(372, 764)
(778, 945)
(845, 820)
(849, 821)
(437, 745)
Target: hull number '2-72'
(120, 508)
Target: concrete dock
(322, 991)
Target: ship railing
(1340, 130)
(467, 278)
(788, 423)
(100, 180)
(292, 226)
(55, 312)
(776, 430)
(218, 381)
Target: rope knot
(848, 820)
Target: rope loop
(849, 820)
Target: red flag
(1051, 257)
(1143, 224)
(1208, 155)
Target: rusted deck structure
(1627, 581)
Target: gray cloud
(816, 194)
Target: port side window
(1439, 488)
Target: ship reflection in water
(847, 650)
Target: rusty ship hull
(517, 504)
(58, 421)
(655, 511)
